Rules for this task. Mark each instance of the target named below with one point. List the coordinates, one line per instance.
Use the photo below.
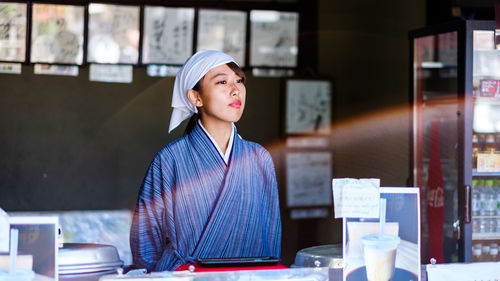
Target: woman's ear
(194, 97)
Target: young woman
(209, 194)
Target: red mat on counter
(199, 268)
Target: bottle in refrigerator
(485, 253)
(476, 204)
(483, 199)
(497, 142)
(476, 222)
(497, 191)
(491, 225)
(490, 145)
(493, 254)
(491, 198)
(475, 150)
(476, 254)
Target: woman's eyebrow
(218, 75)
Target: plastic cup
(379, 252)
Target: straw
(382, 216)
(14, 236)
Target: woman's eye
(239, 81)
(222, 82)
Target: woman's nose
(234, 89)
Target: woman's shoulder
(172, 148)
(254, 147)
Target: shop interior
(68, 144)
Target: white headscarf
(191, 72)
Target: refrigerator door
(485, 146)
(436, 124)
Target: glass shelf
(486, 217)
(486, 236)
(486, 174)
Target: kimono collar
(229, 148)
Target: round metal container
(319, 256)
(87, 262)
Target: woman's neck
(220, 132)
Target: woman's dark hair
(192, 121)
(234, 67)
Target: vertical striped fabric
(192, 205)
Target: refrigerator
(455, 139)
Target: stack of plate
(87, 262)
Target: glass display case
(455, 135)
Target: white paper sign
(111, 73)
(10, 68)
(49, 69)
(356, 198)
(464, 271)
(4, 231)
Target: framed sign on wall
(307, 112)
(223, 30)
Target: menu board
(274, 38)
(113, 34)
(168, 35)
(57, 34)
(13, 31)
(224, 31)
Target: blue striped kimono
(193, 205)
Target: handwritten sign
(113, 33)
(57, 34)
(223, 30)
(308, 106)
(274, 38)
(13, 31)
(168, 35)
(308, 178)
(356, 198)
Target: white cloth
(226, 155)
(191, 72)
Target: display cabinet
(455, 139)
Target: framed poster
(13, 31)
(273, 38)
(308, 107)
(308, 179)
(113, 34)
(168, 35)
(57, 34)
(392, 255)
(224, 31)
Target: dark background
(70, 144)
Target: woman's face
(222, 95)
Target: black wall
(67, 143)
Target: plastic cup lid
(380, 240)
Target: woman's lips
(236, 104)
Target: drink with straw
(379, 251)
